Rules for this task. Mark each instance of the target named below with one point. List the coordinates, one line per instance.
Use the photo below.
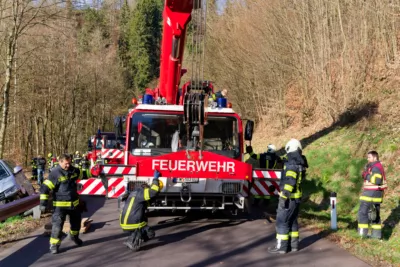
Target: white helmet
(293, 145)
(271, 148)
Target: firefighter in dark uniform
(34, 168)
(287, 228)
(85, 163)
(267, 160)
(372, 197)
(62, 182)
(133, 218)
(77, 160)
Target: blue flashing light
(147, 99)
(222, 102)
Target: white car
(13, 182)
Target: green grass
(10, 221)
(336, 162)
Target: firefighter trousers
(364, 221)
(287, 226)
(58, 220)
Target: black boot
(134, 241)
(76, 240)
(294, 244)
(281, 247)
(54, 248)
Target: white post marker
(333, 211)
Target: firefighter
(267, 160)
(49, 161)
(77, 160)
(287, 229)
(34, 168)
(371, 197)
(41, 166)
(85, 167)
(133, 218)
(62, 181)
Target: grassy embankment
(336, 160)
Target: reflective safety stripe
(282, 195)
(74, 232)
(291, 174)
(55, 241)
(49, 184)
(44, 197)
(62, 204)
(128, 211)
(371, 199)
(155, 187)
(133, 226)
(296, 195)
(294, 234)
(376, 226)
(75, 203)
(146, 194)
(62, 179)
(80, 174)
(288, 187)
(376, 175)
(363, 225)
(282, 237)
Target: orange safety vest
(370, 186)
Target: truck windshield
(158, 134)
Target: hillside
(336, 155)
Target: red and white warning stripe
(112, 154)
(270, 174)
(118, 170)
(94, 187)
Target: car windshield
(3, 172)
(154, 134)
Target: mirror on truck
(248, 132)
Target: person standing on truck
(294, 172)
(372, 197)
(133, 217)
(62, 182)
(41, 166)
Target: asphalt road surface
(201, 240)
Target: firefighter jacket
(374, 183)
(267, 160)
(85, 163)
(50, 162)
(33, 163)
(40, 163)
(294, 172)
(63, 185)
(77, 161)
(133, 214)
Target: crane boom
(176, 16)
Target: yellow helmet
(76, 152)
(49, 155)
(161, 185)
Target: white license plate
(187, 180)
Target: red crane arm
(176, 16)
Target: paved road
(181, 241)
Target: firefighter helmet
(76, 152)
(293, 145)
(271, 148)
(49, 155)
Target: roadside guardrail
(18, 206)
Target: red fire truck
(194, 139)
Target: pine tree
(144, 39)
